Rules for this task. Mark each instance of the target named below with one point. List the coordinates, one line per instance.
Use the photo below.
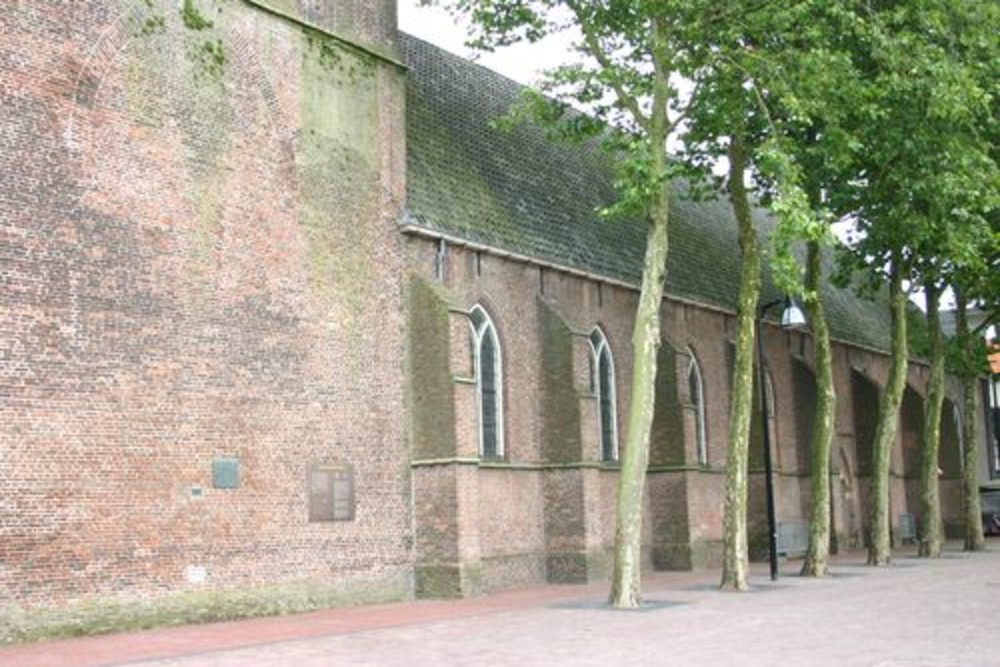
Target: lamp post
(791, 318)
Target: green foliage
(798, 219)
(925, 180)
(918, 334)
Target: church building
(283, 315)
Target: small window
(488, 369)
(696, 395)
(602, 383)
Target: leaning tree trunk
(736, 562)
(930, 503)
(880, 548)
(626, 581)
(974, 539)
(818, 552)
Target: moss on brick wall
(431, 387)
(804, 385)
(339, 182)
(103, 615)
(756, 446)
(864, 395)
(559, 401)
(667, 436)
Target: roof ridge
(463, 60)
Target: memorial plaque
(225, 473)
(331, 493)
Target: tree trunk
(736, 563)
(879, 549)
(972, 509)
(930, 504)
(818, 552)
(625, 582)
(627, 568)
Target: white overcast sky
(522, 62)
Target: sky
(523, 62)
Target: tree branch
(593, 44)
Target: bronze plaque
(331, 492)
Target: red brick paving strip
(190, 639)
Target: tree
(929, 538)
(965, 248)
(980, 278)
(776, 85)
(629, 55)
(812, 89)
(918, 174)
(971, 506)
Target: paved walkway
(944, 612)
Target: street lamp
(791, 318)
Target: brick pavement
(915, 613)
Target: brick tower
(201, 326)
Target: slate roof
(521, 192)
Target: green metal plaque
(225, 473)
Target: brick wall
(368, 22)
(199, 259)
(552, 470)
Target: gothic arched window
(602, 383)
(488, 368)
(696, 395)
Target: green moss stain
(145, 79)
(482, 213)
(448, 580)
(559, 401)
(174, 68)
(431, 387)
(338, 57)
(210, 56)
(207, 123)
(338, 206)
(667, 437)
(102, 616)
(192, 17)
(144, 20)
(340, 194)
(336, 101)
(205, 46)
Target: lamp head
(792, 316)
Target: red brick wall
(504, 502)
(198, 259)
